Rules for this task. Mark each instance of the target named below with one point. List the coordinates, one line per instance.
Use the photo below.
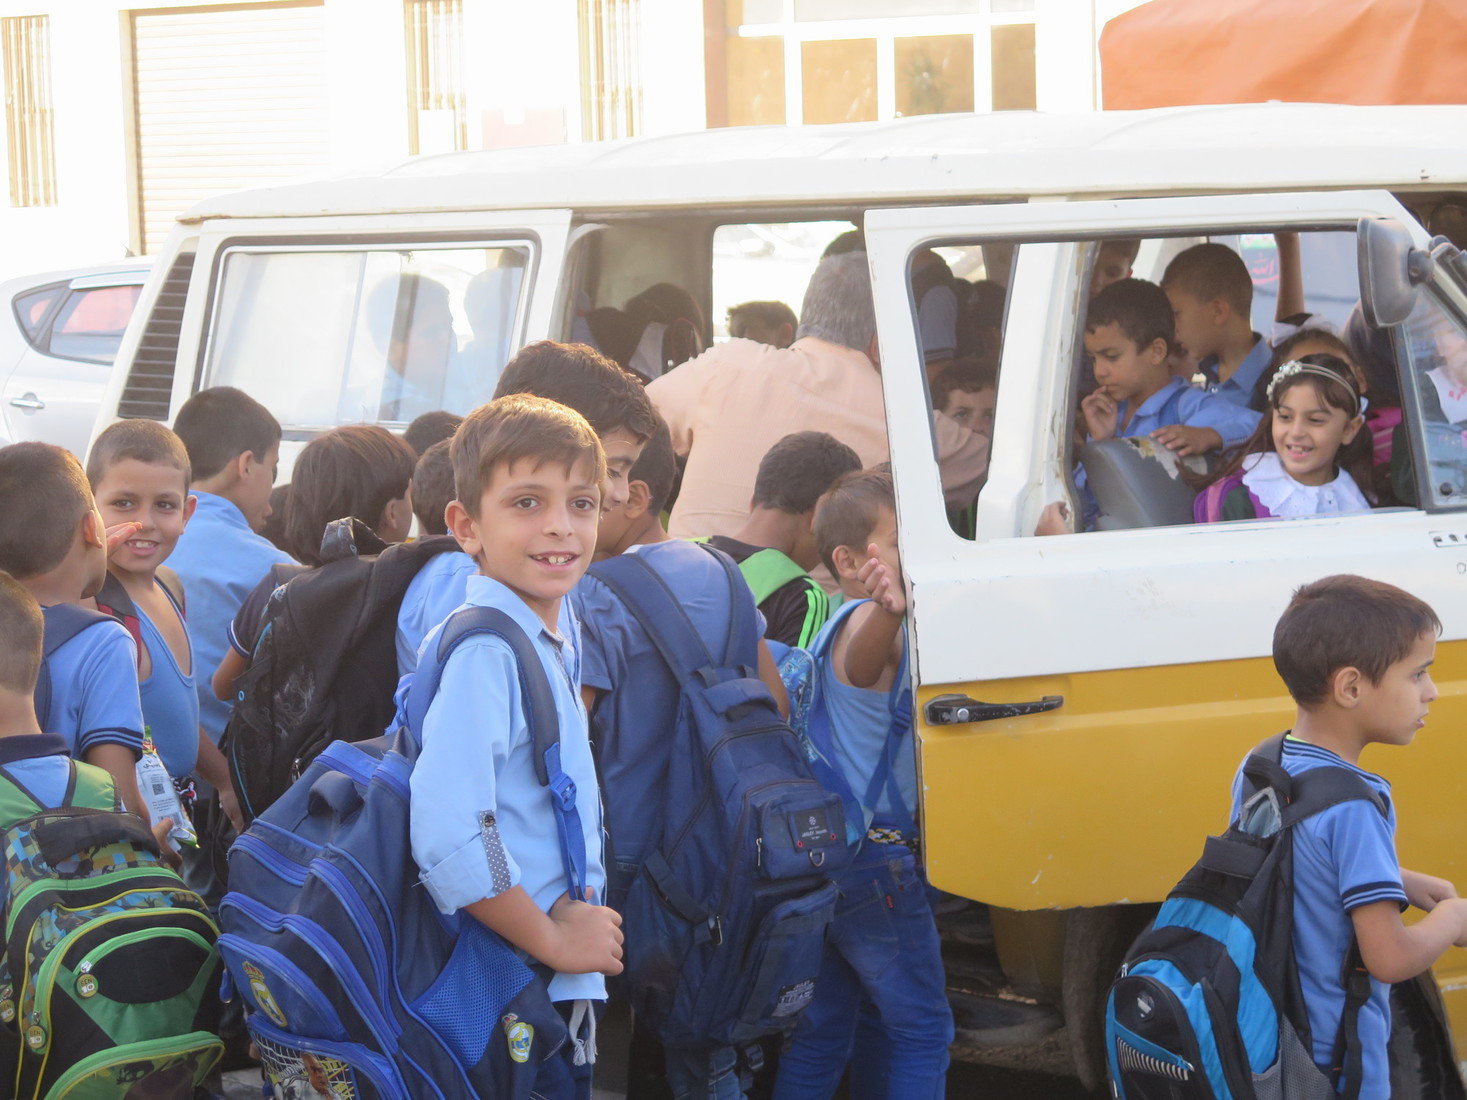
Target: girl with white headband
(1308, 456)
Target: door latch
(951, 710)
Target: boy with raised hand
(1129, 333)
(775, 548)
(233, 446)
(139, 473)
(528, 474)
(1211, 294)
(1355, 655)
(613, 402)
(881, 999)
(55, 543)
(633, 698)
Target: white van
(1130, 666)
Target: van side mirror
(1391, 268)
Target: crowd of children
(154, 586)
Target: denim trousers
(881, 998)
(704, 1075)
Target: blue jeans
(881, 998)
(704, 1075)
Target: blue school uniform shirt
(219, 560)
(481, 822)
(170, 703)
(1344, 857)
(39, 762)
(433, 595)
(861, 728)
(1179, 403)
(1238, 390)
(94, 690)
(639, 709)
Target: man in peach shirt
(728, 406)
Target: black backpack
(324, 667)
(1208, 1003)
(725, 920)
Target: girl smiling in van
(1308, 456)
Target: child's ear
(1352, 429)
(189, 504)
(242, 464)
(1157, 351)
(639, 499)
(847, 564)
(1220, 310)
(94, 529)
(463, 528)
(1345, 686)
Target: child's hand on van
(1054, 520)
(1099, 410)
(1186, 440)
(880, 585)
(1426, 891)
(589, 937)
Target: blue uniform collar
(225, 509)
(1248, 372)
(1153, 404)
(26, 746)
(487, 592)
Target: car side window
(91, 322)
(33, 307)
(340, 336)
(1433, 345)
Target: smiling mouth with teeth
(556, 559)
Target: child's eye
(526, 502)
(585, 504)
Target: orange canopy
(1173, 52)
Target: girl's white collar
(1266, 478)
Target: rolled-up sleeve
(467, 735)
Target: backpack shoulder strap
(540, 716)
(172, 585)
(768, 570)
(90, 788)
(666, 623)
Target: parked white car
(56, 351)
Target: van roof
(951, 158)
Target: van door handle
(950, 710)
(29, 401)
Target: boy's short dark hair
(1210, 271)
(765, 316)
(581, 378)
(798, 470)
(433, 488)
(1140, 309)
(22, 630)
(354, 470)
(656, 468)
(43, 496)
(221, 423)
(1345, 621)
(141, 440)
(850, 511)
(517, 427)
(966, 375)
(430, 428)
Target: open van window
(379, 335)
(1433, 344)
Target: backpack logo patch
(263, 997)
(521, 1037)
(794, 998)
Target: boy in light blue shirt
(613, 402)
(1211, 294)
(233, 446)
(528, 475)
(54, 542)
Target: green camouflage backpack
(109, 972)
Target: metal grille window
(437, 104)
(24, 40)
(611, 68)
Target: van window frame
(511, 237)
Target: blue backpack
(805, 676)
(725, 920)
(1208, 1003)
(351, 977)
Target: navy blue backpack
(725, 920)
(352, 979)
(1208, 1004)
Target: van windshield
(367, 335)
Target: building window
(437, 105)
(611, 76)
(814, 61)
(29, 125)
